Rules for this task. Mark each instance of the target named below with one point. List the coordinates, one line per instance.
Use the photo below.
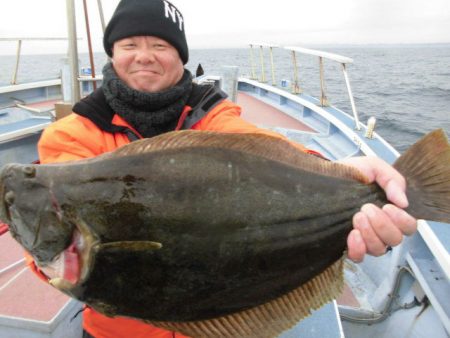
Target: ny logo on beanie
(174, 14)
(147, 18)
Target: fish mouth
(72, 266)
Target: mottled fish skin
(222, 223)
(230, 225)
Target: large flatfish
(210, 234)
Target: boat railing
(19, 48)
(296, 89)
(261, 55)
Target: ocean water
(407, 88)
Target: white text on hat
(169, 9)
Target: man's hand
(376, 228)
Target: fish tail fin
(426, 167)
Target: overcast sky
(235, 23)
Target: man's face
(147, 63)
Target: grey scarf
(150, 114)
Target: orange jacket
(75, 137)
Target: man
(146, 91)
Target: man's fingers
(404, 221)
(395, 192)
(356, 246)
(380, 223)
(374, 244)
(392, 182)
(387, 177)
(379, 228)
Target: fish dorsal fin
(272, 318)
(257, 144)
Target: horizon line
(336, 44)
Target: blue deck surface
(20, 125)
(20, 131)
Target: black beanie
(147, 17)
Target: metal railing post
(350, 94)
(19, 49)
(252, 63)
(323, 97)
(73, 51)
(343, 60)
(16, 68)
(272, 66)
(263, 73)
(91, 54)
(102, 17)
(295, 85)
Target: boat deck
(20, 291)
(21, 125)
(42, 106)
(267, 116)
(28, 306)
